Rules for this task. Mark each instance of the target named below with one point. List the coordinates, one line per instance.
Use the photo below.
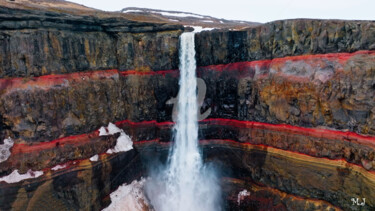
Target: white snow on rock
(177, 14)
(200, 28)
(94, 158)
(110, 130)
(58, 167)
(164, 13)
(128, 11)
(208, 21)
(124, 142)
(5, 149)
(241, 195)
(103, 131)
(15, 177)
(129, 197)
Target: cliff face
(35, 43)
(284, 38)
(286, 101)
(63, 75)
(299, 87)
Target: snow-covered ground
(175, 14)
(94, 158)
(129, 11)
(124, 142)
(15, 177)
(58, 167)
(129, 198)
(241, 195)
(164, 13)
(200, 28)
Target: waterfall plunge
(185, 184)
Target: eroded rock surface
(291, 107)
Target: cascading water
(186, 183)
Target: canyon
(290, 107)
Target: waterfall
(186, 183)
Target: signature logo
(202, 89)
(357, 202)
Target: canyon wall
(290, 103)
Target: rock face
(35, 43)
(331, 90)
(291, 108)
(284, 38)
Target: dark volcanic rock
(84, 185)
(331, 90)
(270, 90)
(37, 43)
(284, 38)
(60, 106)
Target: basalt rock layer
(290, 103)
(35, 43)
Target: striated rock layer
(291, 108)
(35, 43)
(331, 181)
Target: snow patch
(200, 28)
(94, 158)
(113, 129)
(124, 142)
(5, 149)
(103, 131)
(129, 11)
(208, 21)
(110, 130)
(175, 14)
(58, 167)
(241, 195)
(15, 177)
(129, 197)
(174, 20)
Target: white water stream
(186, 184)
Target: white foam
(241, 195)
(5, 149)
(129, 197)
(58, 167)
(94, 158)
(186, 183)
(15, 177)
